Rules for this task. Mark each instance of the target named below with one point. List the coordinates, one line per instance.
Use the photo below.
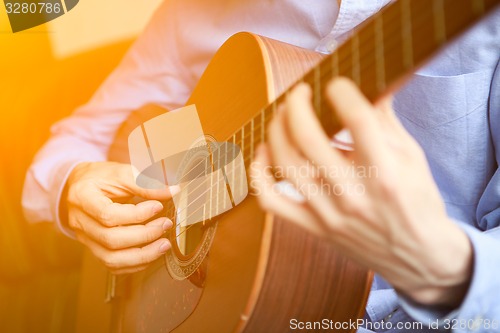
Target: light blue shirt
(452, 108)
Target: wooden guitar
(245, 271)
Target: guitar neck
(379, 57)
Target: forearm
(150, 73)
(446, 257)
(479, 307)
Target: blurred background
(45, 73)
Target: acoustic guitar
(246, 271)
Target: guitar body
(263, 272)
(245, 271)
(258, 272)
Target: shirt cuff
(60, 183)
(480, 309)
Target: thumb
(147, 187)
(151, 188)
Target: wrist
(76, 173)
(59, 207)
(448, 260)
(73, 177)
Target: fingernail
(164, 247)
(167, 225)
(174, 189)
(157, 207)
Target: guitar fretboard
(378, 57)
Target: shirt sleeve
(151, 72)
(480, 309)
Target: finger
(301, 173)
(286, 159)
(305, 129)
(111, 214)
(385, 104)
(357, 115)
(271, 200)
(331, 165)
(150, 188)
(123, 237)
(128, 258)
(400, 136)
(388, 116)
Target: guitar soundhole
(188, 234)
(188, 239)
(193, 235)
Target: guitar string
(346, 58)
(421, 18)
(244, 148)
(262, 113)
(324, 73)
(329, 73)
(342, 62)
(249, 122)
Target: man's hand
(118, 233)
(378, 204)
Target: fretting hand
(378, 204)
